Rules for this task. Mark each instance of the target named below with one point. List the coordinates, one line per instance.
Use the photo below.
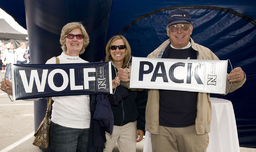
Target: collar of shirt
(188, 46)
(70, 57)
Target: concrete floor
(17, 126)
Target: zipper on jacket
(123, 112)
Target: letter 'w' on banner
(49, 80)
(176, 74)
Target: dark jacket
(131, 108)
(101, 122)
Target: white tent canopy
(11, 31)
(9, 19)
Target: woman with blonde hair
(70, 119)
(128, 106)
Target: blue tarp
(228, 28)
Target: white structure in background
(12, 22)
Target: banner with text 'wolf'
(48, 80)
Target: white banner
(179, 74)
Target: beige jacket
(204, 109)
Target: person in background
(70, 119)
(9, 58)
(3, 63)
(19, 54)
(179, 121)
(128, 106)
(27, 55)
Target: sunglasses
(120, 47)
(183, 27)
(78, 36)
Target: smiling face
(74, 45)
(117, 54)
(179, 38)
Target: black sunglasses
(120, 47)
(78, 36)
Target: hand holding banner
(48, 80)
(177, 74)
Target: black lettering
(156, 74)
(141, 70)
(171, 72)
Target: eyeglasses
(183, 27)
(78, 36)
(120, 47)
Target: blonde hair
(22, 43)
(68, 28)
(127, 51)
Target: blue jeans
(8, 70)
(63, 139)
(21, 62)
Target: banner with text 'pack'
(179, 74)
(48, 80)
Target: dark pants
(63, 139)
(21, 62)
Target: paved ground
(17, 126)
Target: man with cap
(179, 121)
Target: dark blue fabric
(166, 51)
(226, 27)
(103, 113)
(97, 136)
(119, 93)
(131, 108)
(227, 34)
(64, 139)
(178, 16)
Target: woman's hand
(6, 86)
(139, 135)
(115, 82)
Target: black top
(178, 108)
(130, 108)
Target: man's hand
(237, 74)
(124, 74)
(139, 135)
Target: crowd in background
(11, 55)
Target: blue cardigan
(102, 121)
